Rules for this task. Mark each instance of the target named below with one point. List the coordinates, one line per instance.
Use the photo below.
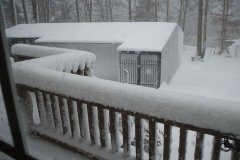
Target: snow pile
(199, 111)
(134, 36)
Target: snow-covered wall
(171, 55)
(107, 57)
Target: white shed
(144, 53)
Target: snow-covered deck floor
(216, 77)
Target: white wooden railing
(82, 113)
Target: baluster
(40, 105)
(216, 147)
(54, 110)
(80, 72)
(167, 140)
(48, 109)
(80, 119)
(152, 139)
(199, 146)
(182, 144)
(138, 137)
(71, 115)
(58, 113)
(113, 130)
(126, 140)
(101, 126)
(63, 115)
(90, 123)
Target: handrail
(37, 51)
(178, 107)
(54, 89)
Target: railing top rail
(37, 51)
(58, 59)
(202, 112)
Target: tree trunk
(101, 9)
(88, 4)
(48, 11)
(180, 12)
(205, 29)
(223, 26)
(25, 11)
(90, 10)
(156, 10)
(199, 35)
(110, 9)
(148, 5)
(168, 10)
(3, 15)
(13, 13)
(77, 9)
(129, 10)
(185, 13)
(34, 9)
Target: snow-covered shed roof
(133, 36)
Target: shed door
(149, 70)
(128, 68)
(140, 69)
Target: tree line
(46, 11)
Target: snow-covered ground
(217, 76)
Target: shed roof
(133, 36)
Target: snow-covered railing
(25, 51)
(75, 110)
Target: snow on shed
(144, 53)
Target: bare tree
(205, 28)
(129, 10)
(88, 9)
(100, 4)
(13, 12)
(43, 10)
(35, 11)
(110, 9)
(199, 35)
(180, 12)
(47, 11)
(184, 15)
(226, 4)
(3, 14)
(77, 9)
(168, 10)
(156, 10)
(223, 26)
(25, 11)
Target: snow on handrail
(39, 51)
(219, 115)
(58, 59)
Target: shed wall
(107, 57)
(171, 55)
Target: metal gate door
(140, 69)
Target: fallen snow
(220, 115)
(147, 36)
(217, 77)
